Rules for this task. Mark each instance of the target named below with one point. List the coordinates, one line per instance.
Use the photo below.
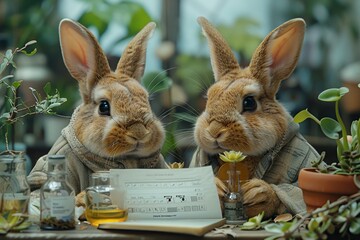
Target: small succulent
(13, 221)
(232, 156)
(254, 223)
(340, 218)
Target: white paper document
(186, 193)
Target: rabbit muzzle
(137, 132)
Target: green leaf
(47, 88)
(92, 19)
(330, 127)
(3, 221)
(287, 225)
(3, 66)
(138, 20)
(248, 226)
(33, 52)
(313, 224)
(17, 84)
(354, 128)
(5, 115)
(8, 54)
(302, 116)
(170, 141)
(325, 226)
(355, 226)
(13, 219)
(274, 227)
(333, 94)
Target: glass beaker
(100, 208)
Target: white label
(60, 207)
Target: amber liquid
(98, 216)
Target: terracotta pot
(320, 187)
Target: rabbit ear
(223, 60)
(277, 55)
(82, 56)
(132, 61)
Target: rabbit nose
(138, 131)
(215, 129)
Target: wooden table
(85, 231)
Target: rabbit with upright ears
(114, 127)
(242, 114)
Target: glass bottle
(234, 211)
(57, 198)
(14, 188)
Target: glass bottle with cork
(57, 198)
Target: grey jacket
(279, 167)
(81, 162)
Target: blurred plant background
(178, 70)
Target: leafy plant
(13, 108)
(348, 152)
(232, 156)
(340, 218)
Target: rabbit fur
(242, 114)
(114, 127)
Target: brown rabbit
(114, 127)
(242, 114)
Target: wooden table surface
(86, 231)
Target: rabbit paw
(221, 187)
(258, 196)
(80, 200)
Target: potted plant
(329, 182)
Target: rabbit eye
(104, 108)
(249, 104)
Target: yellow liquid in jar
(98, 216)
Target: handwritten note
(166, 193)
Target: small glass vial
(57, 198)
(234, 211)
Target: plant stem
(343, 128)
(358, 134)
(232, 177)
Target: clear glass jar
(14, 188)
(57, 197)
(100, 207)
